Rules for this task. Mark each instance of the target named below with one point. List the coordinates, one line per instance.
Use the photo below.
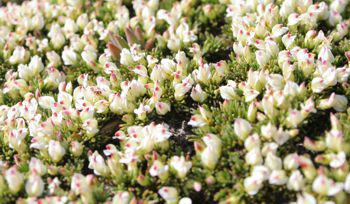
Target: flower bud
(54, 59)
(56, 151)
(294, 118)
(325, 55)
(251, 113)
(14, 179)
(35, 165)
(69, 57)
(34, 186)
(38, 22)
(76, 148)
(262, 58)
(334, 140)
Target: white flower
(228, 92)
(273, 162)
(290, 162)
(294, 118)
(254, 157)
(90, 126)
(278, 177)
(80, 185)
(306, 198)
(69, 57)
(278, 30)
(185, 200)
(253, 184)
(288, 39)
(169, 194)
(211, 153)
(325, 55)
(268, 131)
(198, 94)
(347, 184)
(276, 81)
(337, 160)
(180, 165)
(261, 171)
(182, 88)
(19, 55)
(38, 21)
(162, 108)
(159, 169)
(296, 181)
(36, 65)
(251, 112)
(89, 55)
(326, 186)
(252, 142)
(197, 121)
(123, 198)
(242, 128)
(318, 85)
(97, 163)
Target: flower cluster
(148, 101)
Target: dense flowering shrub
(162, 101)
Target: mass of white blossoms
(164, 101)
